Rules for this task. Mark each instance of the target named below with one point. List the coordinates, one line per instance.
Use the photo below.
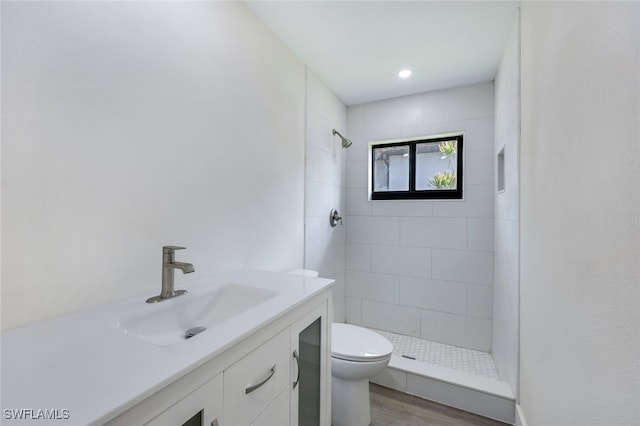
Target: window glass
(436, 165)
(391, 168)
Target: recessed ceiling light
(404, 74)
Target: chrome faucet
(168, 266)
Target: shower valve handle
(334, 217)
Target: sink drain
(193, 331)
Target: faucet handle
(171, 249)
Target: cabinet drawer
(204, 404)
(253, 382)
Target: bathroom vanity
(262, 360)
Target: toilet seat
(357, 344)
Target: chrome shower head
(346, 143)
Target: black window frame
(413, 193)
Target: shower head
(346, 143)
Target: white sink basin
(166, 323)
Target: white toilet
(357, 355)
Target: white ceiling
(358, 47)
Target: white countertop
(84, 364)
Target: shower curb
(480, 395)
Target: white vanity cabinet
(277, 376)
(201, 407)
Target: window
(426, 168)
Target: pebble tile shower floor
(454, 357)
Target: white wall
(131, 125)
(423, 268)
(580, 213)
(506, 210)
(325, 184)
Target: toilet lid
(353, 343)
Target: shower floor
(461, 359)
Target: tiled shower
(423, 268)
(420, 272)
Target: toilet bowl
(357, 355)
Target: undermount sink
(170, 321)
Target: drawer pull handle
(297, 358)
(256, 386)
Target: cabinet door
(201, 407)
(310, 369)
(277, 413)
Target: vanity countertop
(85, 364)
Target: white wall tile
(413, 132)
(321, 99)
(506, 89)
(436, 295)
(510, 142)
(384, 316)
(385, 134)
(338, 300)
(358, 257)
(461, 103)
(353, 309)
(474, 267)
(313, 259)
(357, 174)
(500, 204)
(394, 113)
(318, 131)
(480, 234)
(333, 262)
(355, 119)
(318, 198)
(373, 230)
(371, 286)
(513, 196)
(401, 208)
(478, 134)
(359, 151)
(478, 167)
(478, 202)
(312, 234)
(358, 203)
(433, 232)
(409, 261)
(459, 330)
(480, 301)
(323, 167)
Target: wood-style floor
(393, 408)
